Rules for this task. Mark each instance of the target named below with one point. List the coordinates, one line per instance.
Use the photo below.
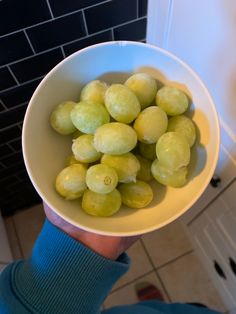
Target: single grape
(150, 124)
(126, 166)
(183, 125)
(144, 86)
(94, 91)
(173, 151)
(115, 138)
(70, 182)
(144, 174)
(103, 205)
(101, 179)
(164, 176)
(122, 103)
(60, 118)
(172, 100)
(70, 160)
(87, 116)
(136, 194)
(84, 150)
(147, 150)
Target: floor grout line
(174, 259)
(157, 275)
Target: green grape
(84, 150)
(183, 125)
(122, 103)
(164, 176)
(94, 91)
(70, 182)
(136, 194)
(115, 138)
(144, 174)
(173, 151)
(172, 100)
(87, 116)
(144, 86)
(103, 205)
(70, 160)
(150, 124)
(101, 179)
(60, 118)
(147, 150)
(126, 166)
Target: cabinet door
(206, 239)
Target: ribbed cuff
(63, 276)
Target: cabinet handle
(232, 265)
(219, 270)
(215, 182)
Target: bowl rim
(213, 163)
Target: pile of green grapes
(123, 136)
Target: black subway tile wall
(34, 37)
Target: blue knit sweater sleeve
(63, 276)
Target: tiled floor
(164, 258)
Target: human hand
(108, 246)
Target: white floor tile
(167, 243)
(187, 281)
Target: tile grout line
(22, 84)
(27, 37)
(12, 73)
(63, 52)
(50, 9)
(70, 42)
(137, 11)
(55, 18)
(112, 34)
(85, 23)
(4, 106)
(153, 266)
(175, 259)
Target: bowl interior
(45, 151)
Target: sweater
(64, 276)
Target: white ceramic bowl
(45, 151)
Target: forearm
(61, 276)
